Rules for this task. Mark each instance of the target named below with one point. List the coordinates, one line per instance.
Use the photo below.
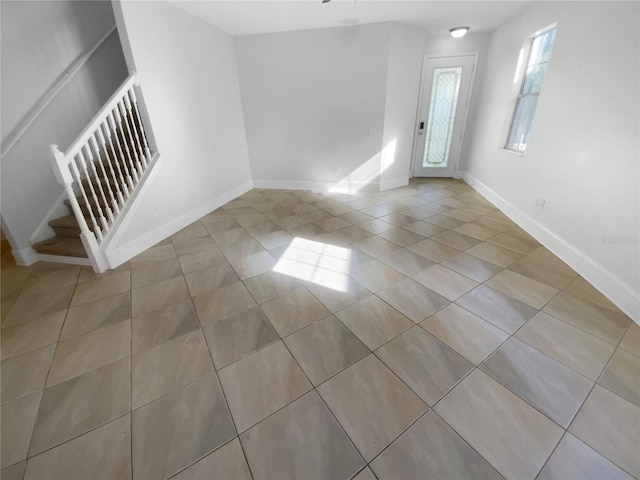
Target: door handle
(421, 125)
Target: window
(530, 90)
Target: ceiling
(249, 17)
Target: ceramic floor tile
(375, 275)
(371, 404)
(204, 258)
(324, 348)
(575, 459)
(467, 334)
(531, 292)
(406, 262)
(29, 307)
(93, 315)
(555, 390)
(51, 277)
(274, 239)
(209, 279)
(14, 472)
(584, 353)
(253, 265)
(221, 226)
(158, 295)
(426, 365)
(413, 300)
(194, 230)
(365, 474)
(500, 310)
(294, 311)
(239, 335)
(302, 440)
(332, 223)
(155, 272)
(472, 267)
(445, 282)
(514, 243)
(180, 428)
(510, 434)
(154, 254)
(89, 351)
(376, 246)
(240, 248)
(270, 285)
(583, 290)
(337, 291)
(456, 240)
(431, 449)
(227, 462)
(159, 326)
(402, 237)
(18, 418)
(183, 359)
(373, 321)
(398, 219)
(76, 406)
(355, 217)
(101, 287)
(15, 382)
(194, 245)
(355, 233)
(102, 453)
(622, 376)
(631, 340)
(263, 228)
(609, 424)
(424, 228)
(222, 303)
(262, 383)
(591, 318)
(476, 231)
(291, 221)
(26, 336)
(434, 251)
(549, 273)
(444, 221)
(495, 254)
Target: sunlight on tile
(316, 262)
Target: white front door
(446, 90)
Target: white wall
(310, 98)
(583, 152)
(401, 103)
(39, 42)
(189, 81)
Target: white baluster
(134, 129)
(116, 183)
(104, 179)
(126, 120)
(76, 172)
(120, 157)
(134, 100)
(92, 169)
(94, 197)
(124, 144)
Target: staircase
(102, 171)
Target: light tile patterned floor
(415, 333)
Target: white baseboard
(293, 185)
(121, 254)
(611, 286)
(25, 257)
(393, 183)
(63, 259)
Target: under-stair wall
(41, 43)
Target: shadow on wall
(367, 173)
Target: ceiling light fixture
(458, 32)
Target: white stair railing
(103, 167)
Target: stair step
(65, 246)
(66, 226)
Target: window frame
(521, 78)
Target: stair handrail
(101, 116)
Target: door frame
(416, 136)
